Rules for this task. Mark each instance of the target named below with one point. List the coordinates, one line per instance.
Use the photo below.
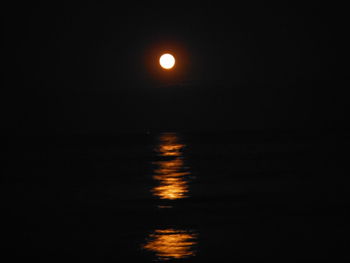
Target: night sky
(249, 130)
(93, 67)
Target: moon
(167, 61)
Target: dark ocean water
(176, 197)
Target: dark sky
(92, 67)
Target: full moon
(167, 61)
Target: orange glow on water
(172, 244)
(171, 173)
(172, 176)
(169, 145)
(170, 150)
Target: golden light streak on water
(172, 244)
(170, 172)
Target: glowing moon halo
(167, 61)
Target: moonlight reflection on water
(171, 244)
(172, 183)
(170, 172)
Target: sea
(169, 196)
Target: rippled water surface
(174, 197)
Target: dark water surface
(224, 197)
